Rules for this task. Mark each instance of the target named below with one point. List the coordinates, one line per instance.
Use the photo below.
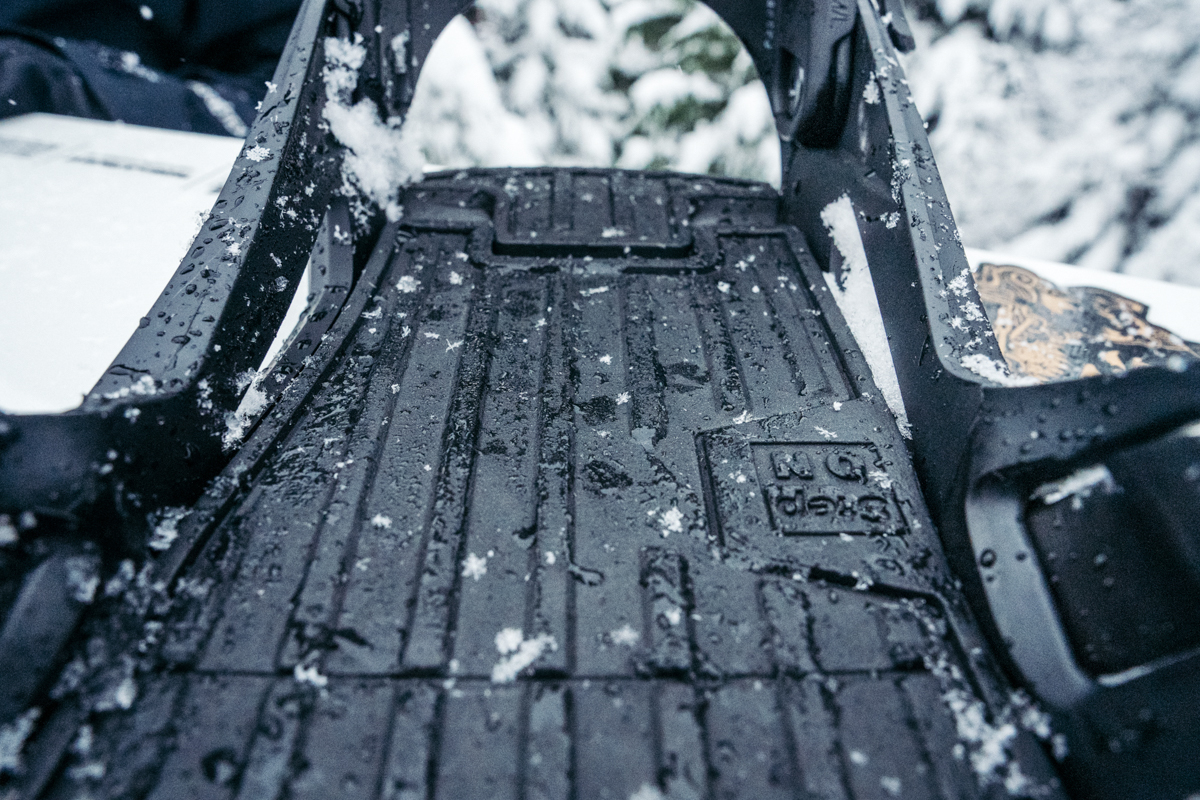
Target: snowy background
(1064, 129)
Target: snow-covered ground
(94, 218)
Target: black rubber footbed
(623, 427)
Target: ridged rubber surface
(664, 471)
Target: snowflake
(474, 567)
(672, 521)
(625, 635)
(7, 530)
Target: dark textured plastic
(622, 450)
(673, 478)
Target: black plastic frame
(972, 437)
(981, 448)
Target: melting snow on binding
(855, 295)
(381, 160)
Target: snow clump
(625, 635)
(1078, 486)
(83, 577)
(517, 653)
(671, 521)
(8, 531)
(142, 387)
(12, 741)
(166, 530)
(987, 744)
(309, 675)
(380, 160)
(994, 371)
(647, 792)
(238, 422)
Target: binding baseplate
(574, 483)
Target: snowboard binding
(1066, 511)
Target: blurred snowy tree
(1067, 129)
(551, 59)
(696, 102)
(458, 116)
(658, 84)
(1064, 129)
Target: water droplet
(988, 558)
(588, 577)
(644, 437)
(220, 766)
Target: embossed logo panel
(825, 488)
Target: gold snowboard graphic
(1051, 333)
